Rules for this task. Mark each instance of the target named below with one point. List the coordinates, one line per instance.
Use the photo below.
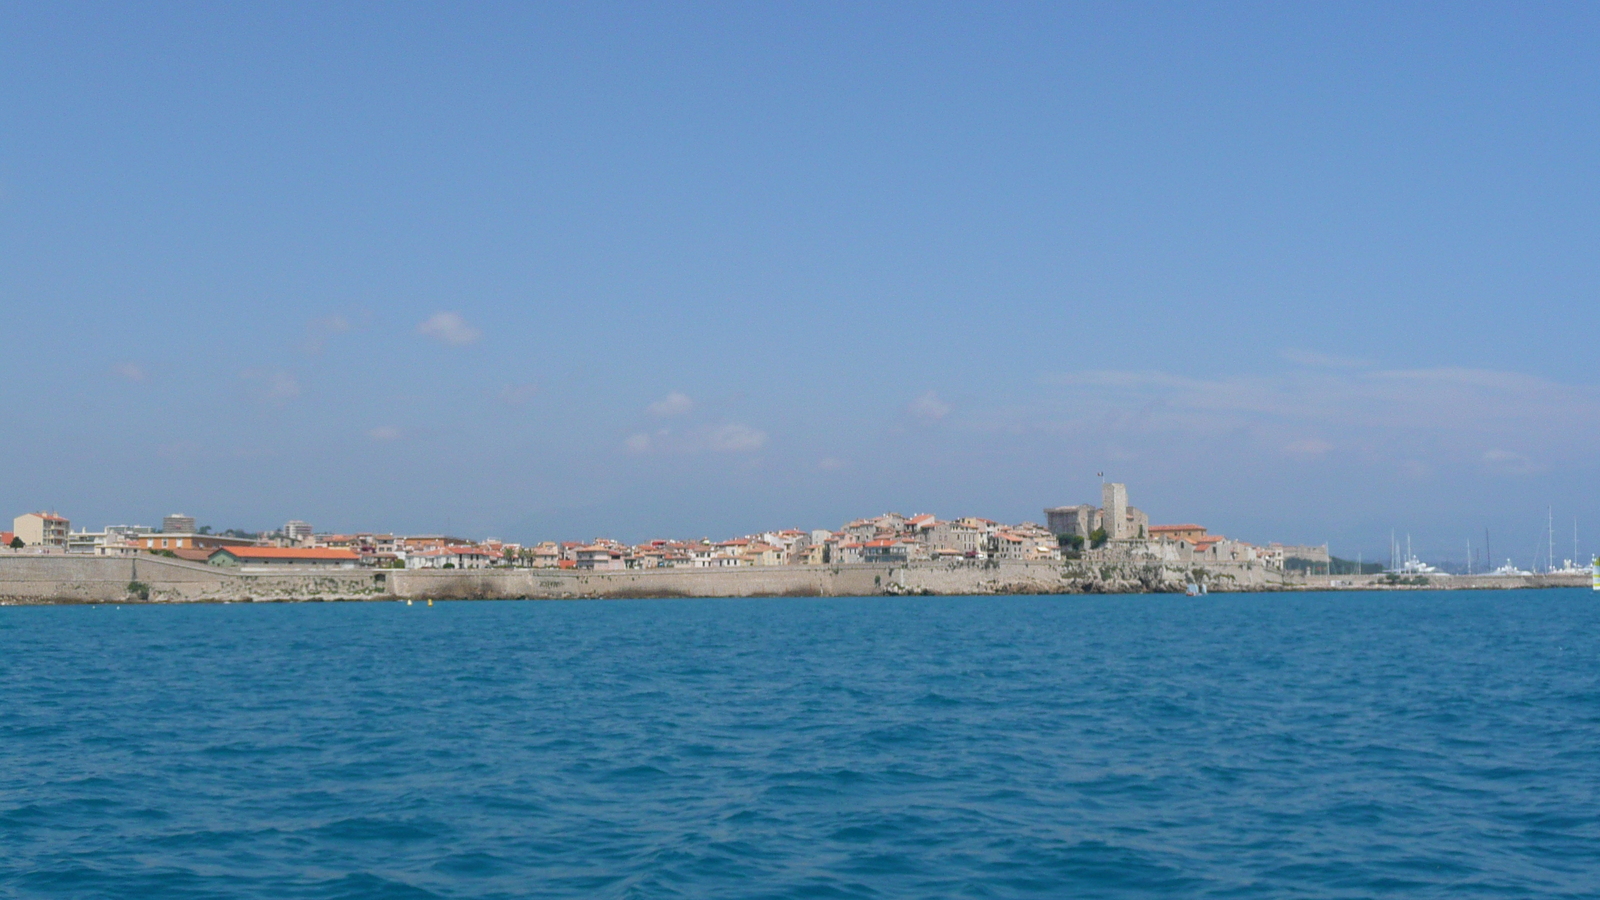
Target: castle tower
(1114, 511)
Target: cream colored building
(42, 529)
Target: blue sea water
(1309, 745)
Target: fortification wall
(100, 579)
(33, 578)
(61, 579)
(972, 577)
(755, 581)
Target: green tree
(16, 543)
(1098, 538)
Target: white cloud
(1511, 463)
(449, 328)
(132, 372)
(737, 439)
(518, 394)
(384, 433)
(673, 404)
(929, 407)
(275, 387)
(318, 331)
(1416, 470)
(730, 438)
(1419, 422)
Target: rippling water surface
(1417, 744)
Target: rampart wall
(63, 579)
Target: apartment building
(42, 529)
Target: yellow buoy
(430, 601)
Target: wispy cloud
(1511, 463)
(1449, 414)
(737, 439)
(132, 372)
(673, 404)
(449, 328)
(728, 438)
(319, 331)
(929, 408)
(270, 386)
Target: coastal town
(1111, 531)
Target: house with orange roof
(1177, 532)
(757, 554)
(41, 529)
(887, 550)
(1005, 544)
(320, 557)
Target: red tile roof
(290, 553)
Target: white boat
(1413, 566)
(1509, 569)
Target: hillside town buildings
(1112, 531)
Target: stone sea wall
(61, 579)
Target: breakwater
(31, 579)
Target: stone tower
(1114, 511)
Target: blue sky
(1297, 272)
